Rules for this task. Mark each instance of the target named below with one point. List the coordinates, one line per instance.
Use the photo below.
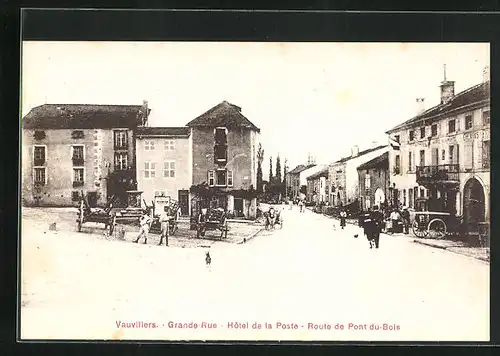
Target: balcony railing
(438, 173)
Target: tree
(278, 170)
(285, 172)
(270, 169)
(260, 159)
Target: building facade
(317, 186)
(164, 164)
(70, 149)
(294, 182)
(441, 158)
(373, 178)
(343, 174)
(224, 144)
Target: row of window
(452, 127)
(453, 157)
(150, 145)
(120, 137)
(78, 156)
(40, 176)
(168, 169)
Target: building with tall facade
(68, 149)
(164, 164)
(224, 157)
(440, 158)
(317, 186)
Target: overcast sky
(321, 98)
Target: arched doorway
(379, 197)
(473, 204)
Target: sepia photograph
(255, 191)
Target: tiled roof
(322, 173)
(300, 168)
(162, 131)
(475, 94)
(345, 159)
(224, 114)
(82, 116)
(380, 161)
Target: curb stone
(455, 252)
(249, 237)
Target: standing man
(165, 225)
(301, 206)
(405, 215)
(343, 216)
(394, 220)
(144, 224)
(377, 220)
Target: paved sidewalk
(457, 247)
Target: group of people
(145, 222)
(399, 218)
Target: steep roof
(348, 158)
(380, 161)
(224, 114)
(163, 131)
(322, 173)
(300, 168)
(82, 116)
(473, 95)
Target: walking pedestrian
(290, 204)
(144, 225)
(301, 206)
(343, 216)
(394, 220)
(165, 225)
(376, 222)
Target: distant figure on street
(301, 206)
(202, 221)
(405, 215)
(290, 204)
(373, 226)
(208, 259)
(144, 225)
(343, 216)
(165, 225)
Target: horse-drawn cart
(213, 219)
(96, 215)
(435, 224)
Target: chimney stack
(420, 105)
(354, 151)
(447, 89)
(486, 74)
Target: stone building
(69, 149)
(343, 174)
(317, 186)
(224, 157)
(441, 157)
(164, 164)
(373, 178)
(293, 180)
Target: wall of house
(240, 154)
(336, 178)
(379, 179)
(59, 167)
(351, 173)
(470, 158)
(169, 186)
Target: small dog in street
(208, 259)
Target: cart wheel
(437, 228)
(418, 231)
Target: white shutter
(478, 154)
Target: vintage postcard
(252, 191)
